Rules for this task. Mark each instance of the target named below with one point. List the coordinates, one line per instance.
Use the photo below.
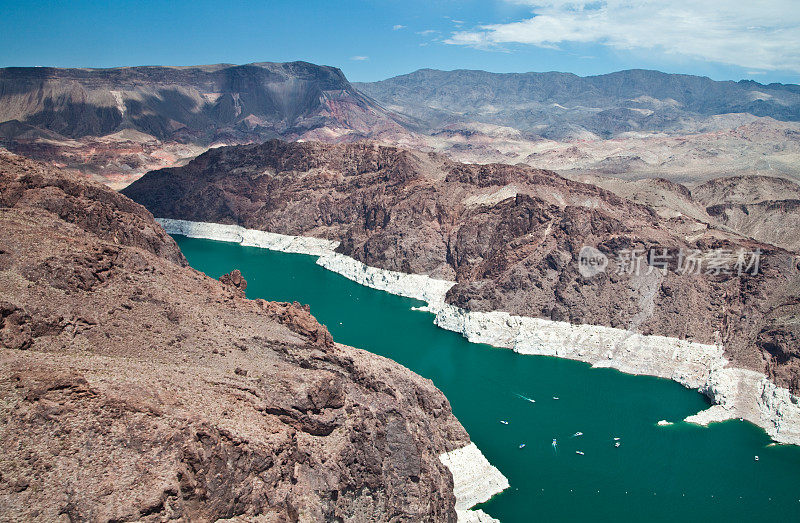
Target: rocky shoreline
(476, 480)
(734, 392)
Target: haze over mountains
(566, 106)
(115, 124)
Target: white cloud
(398, 27)
(427, 32)
(760, 35)
(359, 58)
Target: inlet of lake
(657, 473)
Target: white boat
(526, 398)
(555, 397)
(504, 422)
(579, 452)
(522, 445)
(616, 444)
(578, 434)
(616, 439)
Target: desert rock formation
(135, 388)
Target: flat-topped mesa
(196, 103)
(116, 124)
(134, 387)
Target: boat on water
(579, 452)
(616, 444)
(577, 434)
(504, 422)
(522, 445)
(526, 398)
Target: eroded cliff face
(761, 207)
(510, 236)
(135, 388)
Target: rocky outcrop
(762, 207)
(87, 206)
(135, 388)
(745, 190)
(235, 280)
(776, 222)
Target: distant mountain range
(563, 106)
(117, 124)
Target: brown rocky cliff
(508, 235)
(135, 388)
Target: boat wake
(526, 398)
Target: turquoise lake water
(679, 472)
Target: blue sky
(372, 40)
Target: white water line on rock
(475, 480)
(735, 392)
(249, 237)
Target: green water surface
(680, 472)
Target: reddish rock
(235, 280)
